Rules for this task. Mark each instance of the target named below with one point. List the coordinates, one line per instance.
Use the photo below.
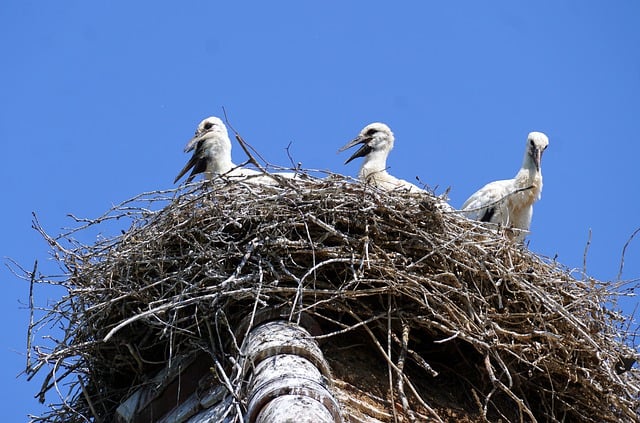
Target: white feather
(212, 155)
(510, 202)
(377, 141)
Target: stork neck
(221, 165)
(217, 150)
(529, 177)
(528, 172)
(374, 162)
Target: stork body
(212, 153)
(510, 202)
(377, 141)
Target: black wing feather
(488, 214)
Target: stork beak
(362, 151)
(194, 141)
(536, 154)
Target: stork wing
(485, 204)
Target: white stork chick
(510, 202)
(377, 141)
(212, 153)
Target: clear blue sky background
(98, 100)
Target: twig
(401, 359)
(96, 416)
(624, 250)
(31, 311)
(389, 360)
(245, 146)
(584, 257)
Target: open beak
(362, 151)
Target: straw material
(465, 323)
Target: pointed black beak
(362, 151)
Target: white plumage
(510, 202)
(377, 141)
(212, 154)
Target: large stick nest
(440, 300)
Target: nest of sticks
(460, 316)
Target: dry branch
(435, 297)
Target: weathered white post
(287, 376)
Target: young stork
(377, 141)
(510, 202)
(212, 153)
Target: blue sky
(98, 101)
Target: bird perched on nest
(377, 141)
(510, 202)
(212, 153)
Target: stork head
(537, 142)
(375, 138)
(211, 128)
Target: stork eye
(532, 143)
(208, 125)
(370, 132)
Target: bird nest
(464, 321)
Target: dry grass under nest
(430, 293)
